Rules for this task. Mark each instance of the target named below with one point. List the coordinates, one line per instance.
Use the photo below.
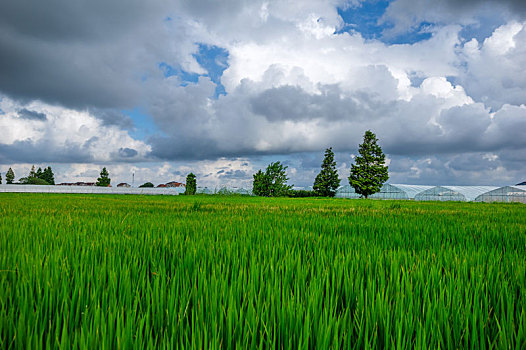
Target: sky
(222, 88)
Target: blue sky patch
(213, 59)
(186, 77)
(144, 125)
(483, 29)
(364, 19)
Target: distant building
(175, 184)
(77, 184)
(123, 184)
(172, 184)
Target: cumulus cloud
(407, 15)
(31, 115)
(57, 134)
(294, 85)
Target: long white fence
(91, 189)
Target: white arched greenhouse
(506, 194)
(396, 191)
(224, 190)
(91, 189)
(388, 191)
(453, 193)
(346, 192)
(204, 190)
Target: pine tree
(0, 178)
(39, 173)
(48, 176)
(103, 180)
(10, 176)
(370, 171)
(191, 184)
(32, 173)
(327, 181)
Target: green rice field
(209, 272)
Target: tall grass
(88, 271)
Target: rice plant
(93, 271)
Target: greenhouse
(453, 193)
(397, 191)
(388, 191)
(90, 189)
(346, 192)
(506, 194)
(224, 190)
(205, 190)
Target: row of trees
(367, 175)
(9, 177)
(35, 177)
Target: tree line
(35, 177)
(367, 175)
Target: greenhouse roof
(469, 193)
(506, 189)
(412, 190)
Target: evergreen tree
(370, 171)
(48, 175)
(32, 173)
(146, 184)
(39, 173)
(327, 181)
(0, 178)
(103, 180)
(273, 182)
(191, 184)
(10, 176)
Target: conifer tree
(10, 176)
(327, 181)
(32, 173)
(103, 180)
(191, 184)
(370, 172)
(48, 176)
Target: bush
(33, 181)
(301, 194)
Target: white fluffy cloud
(62, 135)
(293, 86)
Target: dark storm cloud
(478, 17)
(112, 117)
(68, 74)
(57, 20)
(127, 152)
(31, 115)
(293, 103)
(78, 53)
(43, 151)
(515, 6)
(233, 174)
